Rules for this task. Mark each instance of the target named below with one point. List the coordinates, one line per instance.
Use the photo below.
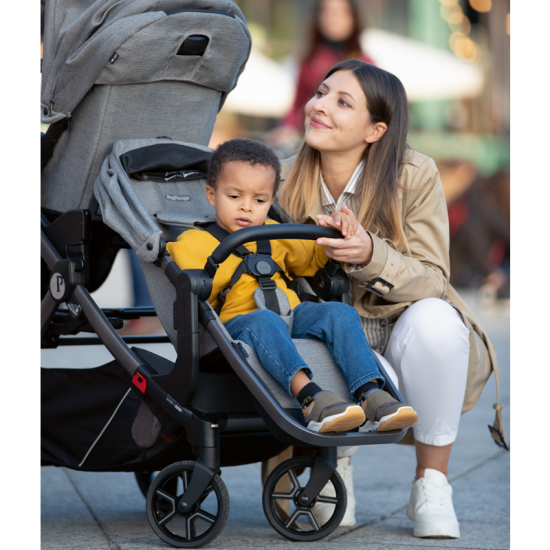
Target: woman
(334, 37)
(355, 160)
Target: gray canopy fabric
(81, 38)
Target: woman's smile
(318, 123)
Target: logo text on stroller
(184, 198)
(57, 286)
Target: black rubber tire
(290, 528)
(157, 511)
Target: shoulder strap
(220, 234)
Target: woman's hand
(344, 222)
(355, 248)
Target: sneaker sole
(441, 531)
(402, 418)
(351, 418)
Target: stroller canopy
(136, 41)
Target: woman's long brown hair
(378, 189)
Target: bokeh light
(450, 10)
(458, 22)
(482, 6)
(463, 46)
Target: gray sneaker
(384, 413)
(329, 413)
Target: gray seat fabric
(113, 68)
(326, 372)
(315, 353)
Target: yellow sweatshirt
(303, 258)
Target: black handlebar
(307, 232)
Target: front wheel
(284, 511)
(195, 528)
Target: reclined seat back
(122, 70)
(140, 212)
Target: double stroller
(131, 90)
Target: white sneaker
(323, 511)
(431, 507)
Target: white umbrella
(265, 88)
(426, 72)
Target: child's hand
(343, 221)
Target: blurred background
(453, 57)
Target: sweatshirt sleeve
(305, 258)
(189, 251)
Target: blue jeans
(335, 323)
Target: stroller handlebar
(266, 233)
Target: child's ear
(211, 195)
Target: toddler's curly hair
(243, 150)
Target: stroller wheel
(284, 511)
(202, 524)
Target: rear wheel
(195, 528)
(284, 511)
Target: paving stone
(107, 510)
(66, 521)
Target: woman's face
(337, 119)
(336, 20)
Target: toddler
(243, 179)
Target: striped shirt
(377, 331)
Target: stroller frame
(169, 395)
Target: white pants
(429, 350)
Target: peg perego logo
(57, 286)
(183, 198)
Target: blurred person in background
(334, 37)
(479, 225)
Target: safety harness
(260, 265)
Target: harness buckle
(267, 284)
(260, 265)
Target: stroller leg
(325, 465)
(47, 310)
(204, 437)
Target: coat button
(149, 246)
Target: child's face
(243, 195)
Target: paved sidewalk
(82, 510)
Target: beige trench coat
(419, 267)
